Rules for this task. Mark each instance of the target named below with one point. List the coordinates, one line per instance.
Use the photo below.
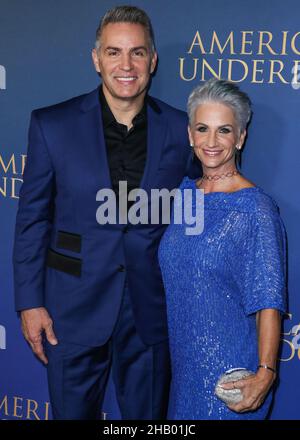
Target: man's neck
(125, 110)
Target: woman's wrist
(266, 374)
(267, 367)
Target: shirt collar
(108, 116)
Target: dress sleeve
(263, 271)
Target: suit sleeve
(33, 222)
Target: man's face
(124, 60)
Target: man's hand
(34, 323)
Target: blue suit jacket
(63, 259)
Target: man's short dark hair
(126, 14)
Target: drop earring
(193, 152)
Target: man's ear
(96, 60)
(153, 62)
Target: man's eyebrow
(112, 48)
(118, 49)
(139, 48)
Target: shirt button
(121, 268)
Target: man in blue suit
(91, 296)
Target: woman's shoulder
(261, 199)
(254, 202)
(248, 198)
(254, 199)
(263, 203)
(187, 183)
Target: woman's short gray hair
(126, 14)
(224, 92)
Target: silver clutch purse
(235, 395)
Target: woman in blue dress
(225, 287)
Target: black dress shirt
(126, 149)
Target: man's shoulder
(168, 110)
(67, 107)
(87, 100)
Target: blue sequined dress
(215, 282)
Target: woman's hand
(254, 389)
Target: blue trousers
(77, 375)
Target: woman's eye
(224, 130)
(201, 129)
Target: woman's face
(215, 135)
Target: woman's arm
(268, 323)
(256, 387)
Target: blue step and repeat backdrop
(45, 57)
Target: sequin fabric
(215, 282)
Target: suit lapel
(94, 143)
(156, 134)
(95, 147)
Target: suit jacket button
(121, 268)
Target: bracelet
(267, 367)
